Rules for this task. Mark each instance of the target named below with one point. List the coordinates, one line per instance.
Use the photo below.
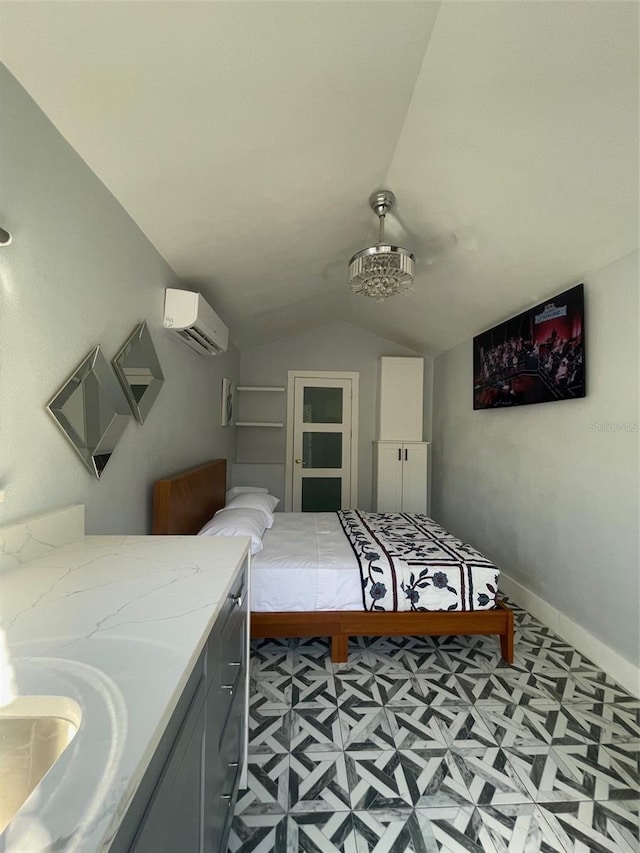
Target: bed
(182, 505)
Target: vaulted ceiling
(244, 139)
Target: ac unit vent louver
(194, 336)
(195, 322)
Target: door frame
(292, 375)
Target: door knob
(298, 461)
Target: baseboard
(619, 668)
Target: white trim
(622, 670)
(292, 375)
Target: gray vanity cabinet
(185, 801)
(227, 662)
(173, 819)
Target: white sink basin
(34, 732)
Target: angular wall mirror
(138, 370)
(92, 411)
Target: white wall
(80, 273)
(337, 346)
(543, 490)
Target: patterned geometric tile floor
(434, 744)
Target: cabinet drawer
(228, 668)
(232, 643)
(225, 788)
(226, 648)
(233, 602)
(229, 745)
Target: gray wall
(79, 273)
(337, 346)
(550, 492)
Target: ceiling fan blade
(335, 269)
(437, 246)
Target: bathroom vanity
(185, 800)
(148, 636)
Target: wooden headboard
(182, 504)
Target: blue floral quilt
(408, 562)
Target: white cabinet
(400, 476)
(400, 454)
(400, 391)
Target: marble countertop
(115, 623)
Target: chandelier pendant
(381, 270)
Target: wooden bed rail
(341, 624)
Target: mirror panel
(138, 369)
(92, 411)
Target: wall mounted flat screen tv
(536, 357)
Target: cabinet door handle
(406, 454)
(225, 796)
(233, 764)
(233, 663)
(237, 599)
(399, 454)
(228, 687)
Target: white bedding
(307, 563)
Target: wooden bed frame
(182, 504)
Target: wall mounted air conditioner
(194, 321)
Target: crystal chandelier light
(382, 270)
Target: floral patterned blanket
(408, 562)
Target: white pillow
(234, 491)
(238, 522)
(265, 503)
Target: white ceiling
(244, 138)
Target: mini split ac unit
(195, 322)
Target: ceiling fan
(386, 268)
